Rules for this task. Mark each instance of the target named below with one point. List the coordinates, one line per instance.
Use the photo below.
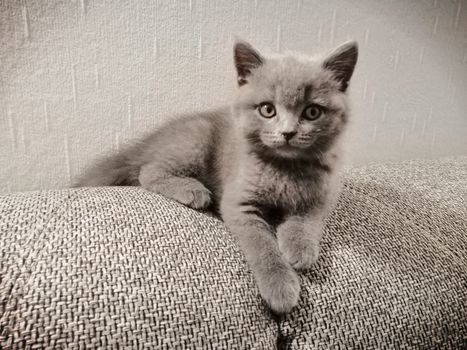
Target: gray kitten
(268, 163)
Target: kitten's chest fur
(291, 189)
(278, 193)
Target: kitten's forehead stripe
(294, 95)
(293, 78)
(308, 91)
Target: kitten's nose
(289, 135)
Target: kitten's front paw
(300, 249)
(280, 288)
(187, 191)
(300, 253)
(195, 196)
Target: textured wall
(81, 78)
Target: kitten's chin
(288, 151)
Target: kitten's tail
(116, 170)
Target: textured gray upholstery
(101, 267)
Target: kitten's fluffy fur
(271, 178)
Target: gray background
(80, 79)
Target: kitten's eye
(312, 112)
(267, 110)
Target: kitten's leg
(298, 239)
(278, 283)
(186, 190)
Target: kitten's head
(292, 106)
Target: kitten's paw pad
(280, 289)
(301, 254)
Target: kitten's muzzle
(289, 135)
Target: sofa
(120, 267)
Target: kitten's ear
(342, 62)
(246, 60)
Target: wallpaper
(80, 79)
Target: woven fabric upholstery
(97, 268)
(393, 269)
(93, 268)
